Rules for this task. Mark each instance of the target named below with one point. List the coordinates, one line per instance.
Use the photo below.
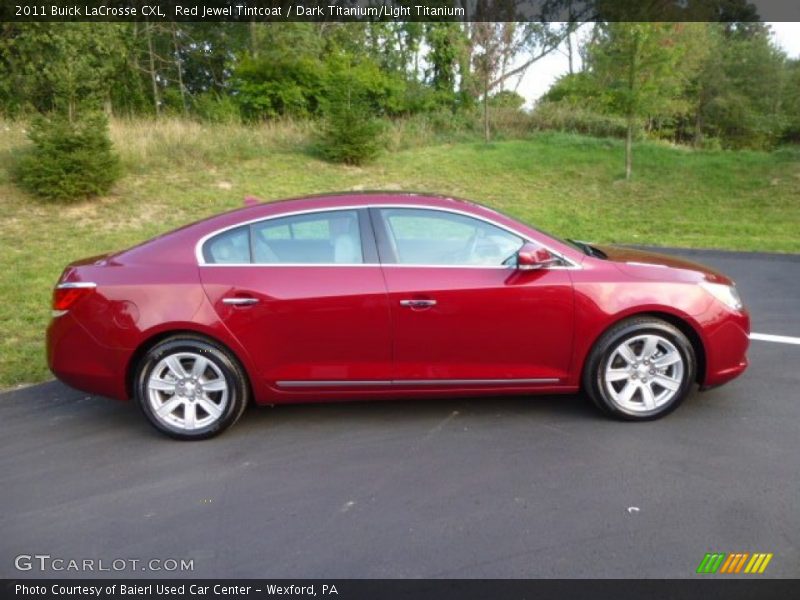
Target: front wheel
(641, 369)
(190, 388)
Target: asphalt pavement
(521, 487)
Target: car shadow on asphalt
(365, 412)
(53, 404)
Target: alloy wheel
(188, 391)
(643, 373)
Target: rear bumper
(726, 341)
(77, 359)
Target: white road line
(780, 339)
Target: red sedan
(386, 295)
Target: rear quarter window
(228, 247)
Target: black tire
(604, 350)
(223, 367)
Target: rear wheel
(190, 388)
(640, 370)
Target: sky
(543, 73)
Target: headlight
(727, 294)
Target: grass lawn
(177, 172)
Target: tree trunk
(252, 32)
(486, 132)
(134, 62)
(152, 59)
(629, 149)
(569, 53)
(466, 89)
(632, 106)
(70, 93)
(698, 120)
(179, 67)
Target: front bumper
(727, 339)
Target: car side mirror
(531, 257)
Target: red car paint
(493, 330)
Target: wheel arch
(681, 323)
(158, 336)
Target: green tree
(639, 67)
(726, 81)
(65, 71)
(496, 47)
(350, 132)
(60, 66)
(445, 42)
(294, 68)
(739, 94)
(506, 99)
(792, 102)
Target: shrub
(442, 126)
(216, 108)
(350, 136)
(269, 87)
(507, 99)
(350, 131)
(511, 123)
(69, 160)
(564, 116)
(710, 143)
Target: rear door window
(331, 237)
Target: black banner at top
(399, 10)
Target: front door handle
(240, 301)
(418, 303)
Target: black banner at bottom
(406, 589)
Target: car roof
(334, 200)
(365, 198)
(178, 246)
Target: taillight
(66, 295)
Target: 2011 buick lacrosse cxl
(386, 295)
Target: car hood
(650, 265)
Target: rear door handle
(418, 303)
(238, 301)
